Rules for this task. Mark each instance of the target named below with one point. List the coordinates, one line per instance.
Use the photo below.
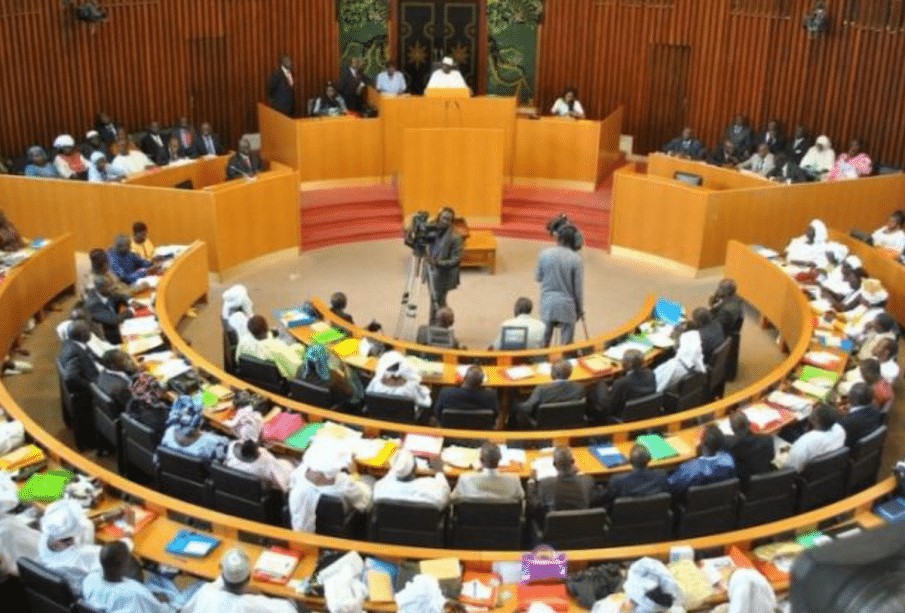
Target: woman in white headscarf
(395, 376)
(689, 358)
(237, 309)
(649, 588)
(17, 539)
(749, 592)
(810, 247)
(69, 162)
(819, 159)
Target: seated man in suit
(261, 344)
(642, 481)
(244, 163)
(880, 388)
(826, 435)
(154, 143)
(186, 135)
(711, 332)
(772, 137)
(100, 266)
(440, 333)
(534, 328)
(324, 473)
(558, 390)
(608, 398)
(685, 146)
(125, 264)
(726, 155)
(567, 491)
(753, 453)
(115, 378)
(489, 485)
(726, 307)
(107, 308)
(786, 170)
(739, 134)
(401, 483)
(79, 367)
(712, 465)
(338, 304)
(469, 396)
(863, 416)
(208, 143)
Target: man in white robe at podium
(447, 76)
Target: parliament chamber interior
(472, 305)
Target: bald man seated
(558, 390)
(439, 334)
(607, 400)
(470, 396)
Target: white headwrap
(448, 61)
(750, 592)
(64, 140)
(392, 358)
(824, 141)
(820, 231)
(63, 519)
(9, 493)
(854, 262)
(421, 595)
(403, 464)
(97, 156)
(645, 575)
(323, 460)
(838, 250)
(234, 298)
(92, 133)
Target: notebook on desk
(658, 447)
(608, 455)
(192, 544)
(328, 336)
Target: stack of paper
(374, 452)
(142, 344)
(331, 335)
(140, 326)
(380, 586)
(543, 467)
(517, 373)
(424, 445)
(293, 318)
(822, 359)
(346, 347)
(428, 369)
(793, 402)
(512, 458)
(319, 326)
(25, 456)
(276, 565)
(170, 369)
(462, 457)
(597, 364)
(761, 416)
(133, 521)
(302, 438)
(617, 351)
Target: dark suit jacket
(860, 423)
(555, 391)
(191, 135)
(562, 493)
(711, 337)
(106, 131)
(79, 367)
(692, 148)
(200, 148)
(151, 415)
(788, 171)
(743, 139)
(236, 166)
(117, 389)
(639, 482)
(151, 148)
(778, 144)
(449, 255)
(280, 94)
(797, 149)
(609, 401)
(106, 313)
(465, 399)
(347, 86)
(719, 158)
(729, 312)
(753, 454)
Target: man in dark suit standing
(863, 416)
(753, 453)
(558, 390)
(726, 306)
(79, 368)
(207, 143)
(642, 481)
(245, 163)
(444, 257)
(107, 308)
(469, 396)
(711, 331)
(351, 85)
(281, 88)
(607, 400)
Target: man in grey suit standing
(444, 257)
(560, 272)
(489, 485)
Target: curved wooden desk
(51, 271)
(785, 306)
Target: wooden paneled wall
(154, 59)
(743, 56)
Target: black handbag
(594, 583)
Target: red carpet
(354, 214)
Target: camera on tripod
(421, 233)
(560, 222)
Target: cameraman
(444, 256)
(560, 271)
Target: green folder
(302, 438)
(45, 487)
(808, 539)
(657, 446)
(328, 336)
(812, 372)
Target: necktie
(210, 145)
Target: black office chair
(390, 408)
(559, 415)
(78, 412)
(688, 393)
(310, 393)
(708, 509)
(463, 419)
(645, 407)
(230, 342)
(407, 523)
(244, 495)
(261, 373)
(513, 338)
(716, 372)
(486, 525)
(767, 497)
(577, 529)
(864, 462)
(333, 519)
(65, 408)
(735, 349)
(184, 476)
(46, 591)
(641, 519)
(139, 443)
(439, 337)
(823, 480)
(106, 422)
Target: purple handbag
(544, 564)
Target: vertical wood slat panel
(752, 61)
(138, 66)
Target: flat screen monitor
(689, 178)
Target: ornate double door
(432, 29)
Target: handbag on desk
(544, 564)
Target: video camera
(561, 221)
(421, 233)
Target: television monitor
(689, 178)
